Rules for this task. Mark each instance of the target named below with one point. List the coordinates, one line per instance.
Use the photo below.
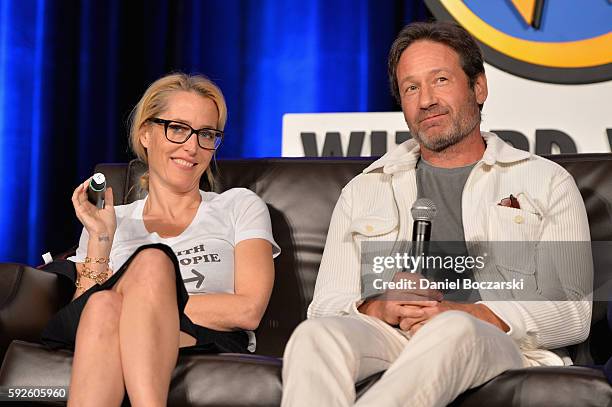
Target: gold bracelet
(98, 277)
(77, 283)
(100, 260)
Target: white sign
(544, 118)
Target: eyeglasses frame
(166, 123)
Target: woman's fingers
(80, 193)
(108, 198)
(77, 198)
(82, 206)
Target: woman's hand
(98, 222)
(100, 225)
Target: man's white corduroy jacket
(376, 206)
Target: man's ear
(480, 88)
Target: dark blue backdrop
(70, 71)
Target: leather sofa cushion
(542, 386)
(251, 380)
(198, 380)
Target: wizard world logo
(554, 41)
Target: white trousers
(453, 352)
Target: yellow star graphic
(530, 10)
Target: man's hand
(402, 307)
(403, 313)
(480, 311)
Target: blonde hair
(154, 102)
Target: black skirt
(60, 332)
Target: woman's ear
(144, 138)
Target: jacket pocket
(373, 226)
(375, 237)
(511, 224)
(512, 244)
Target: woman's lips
(183, 163)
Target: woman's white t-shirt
(205, 249)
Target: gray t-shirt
(444, 186)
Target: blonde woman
(182, 267)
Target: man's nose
(427, 97)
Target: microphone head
(423, 209)
(98, 182)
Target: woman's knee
(150, 265)
(102, 310)
(153, 256)
(106, 301)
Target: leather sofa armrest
(28, 299)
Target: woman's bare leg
(148, 327)
(97, 378)
(186, 340)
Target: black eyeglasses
(179, 133)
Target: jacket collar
(405, 156)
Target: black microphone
(423, 212)
(96, 190)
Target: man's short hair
(447, 33)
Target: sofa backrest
(301, 195)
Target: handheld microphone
(96, 190)
(423, 212)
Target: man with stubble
(432, 349)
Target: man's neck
(466, 152)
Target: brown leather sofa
(300, 194)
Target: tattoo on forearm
(103, 238)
